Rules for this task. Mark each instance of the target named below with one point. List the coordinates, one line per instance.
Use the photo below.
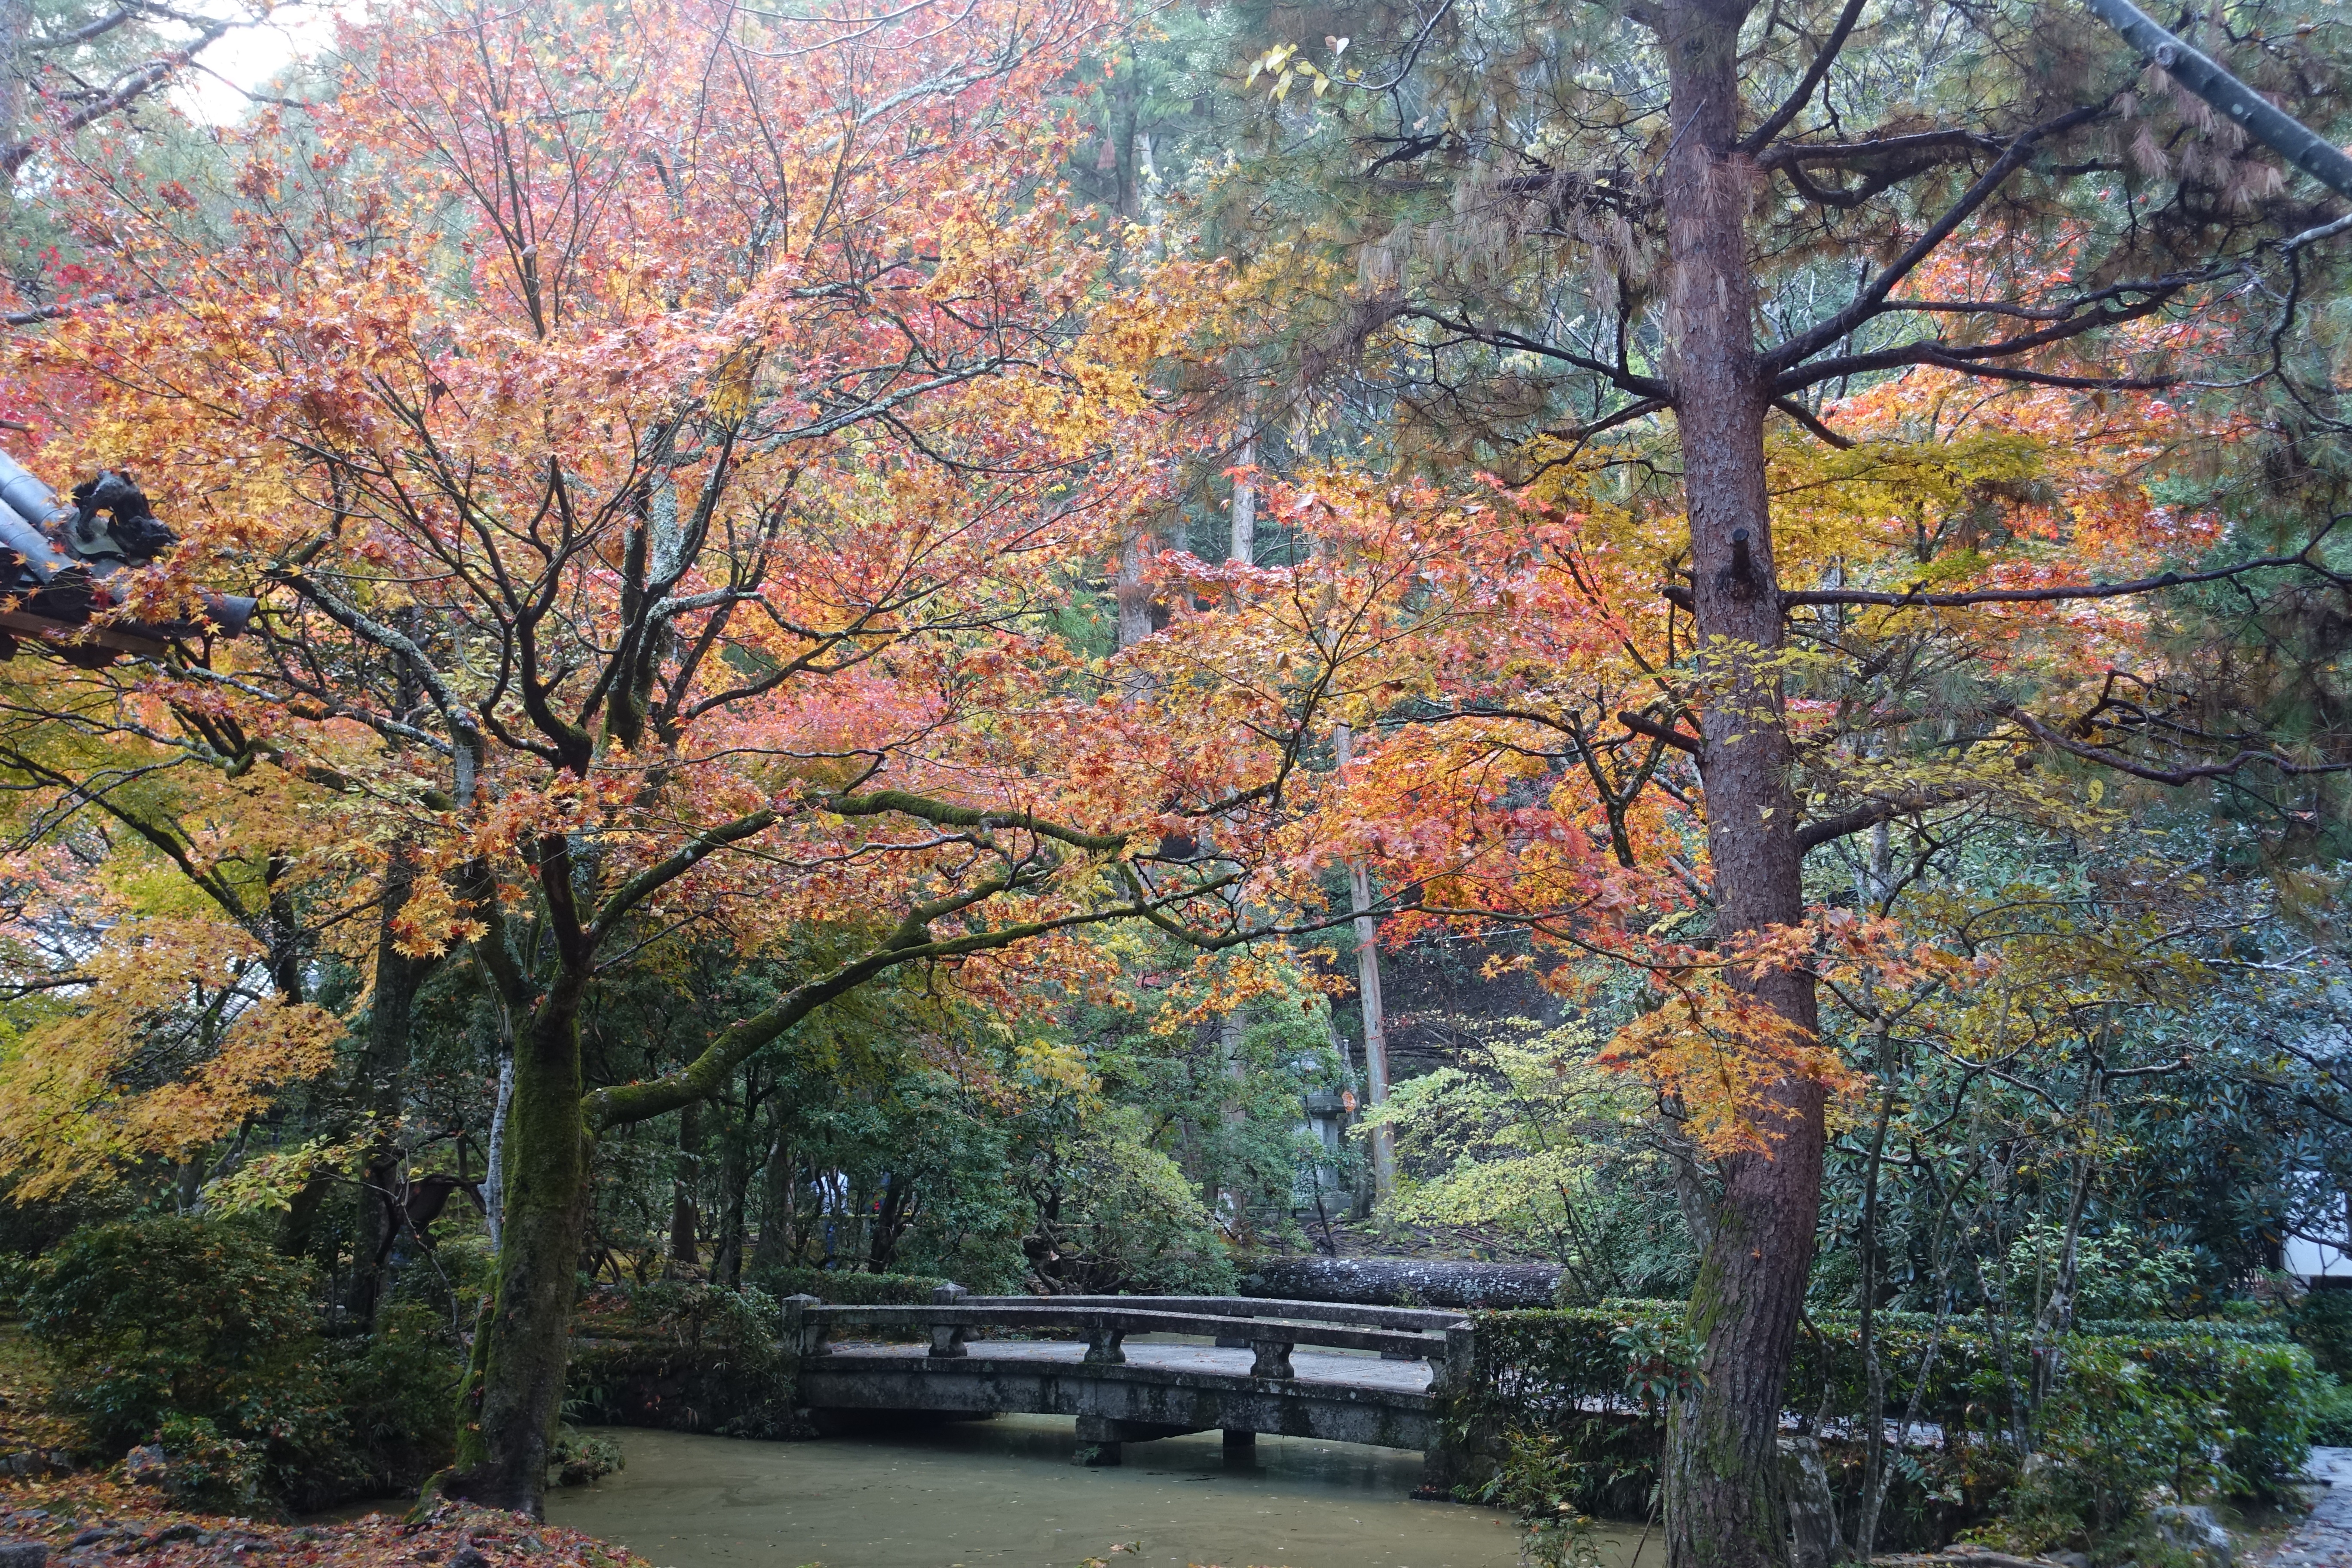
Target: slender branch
(1624, 379)
(2282, 132)
(2060, 592)
(1792, 154)
(1794, 104)
(1870, 813)
(1812, 422)
(654, 877)
(941, 814)
(2176, 777)
(1657, 731)
(124, 93)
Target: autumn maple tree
(659, 443)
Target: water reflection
(1003, 1494)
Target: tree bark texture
(514, 1390)
(777, 1245)
(381, 1089)
(734, 1188)
(1725, 1506)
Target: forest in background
(859, 619)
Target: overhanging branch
(2276, 130)
(2059, 592)
(2174, 777)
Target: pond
(1003, 1494)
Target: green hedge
(842, 1289)
(2259, 1331)
(2197, 1412)
(686, 1357)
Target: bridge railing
(1269, 1330)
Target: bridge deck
(1308, 1366)
(1135, 1369)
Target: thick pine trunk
(514, 1387)
(1724, 1502)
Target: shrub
(197, 1337)
(205, 1471)
(163, 1317)
(685, 1356)
(2191, 1412)
(583, 1459)
(2331, 1415)
(2322, 1322)
(396, 1392)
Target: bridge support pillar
(1239, 1437)
(1101, 1437)
(1098, 1442)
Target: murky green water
(1003, 1494)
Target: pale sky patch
(212, 91)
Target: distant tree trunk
(778, 1214)
(380, 1091)
(684, 1252)
(1130, 592)
(494, 1181)
(1368, 993)
(1233, 1025)
(734, 1184)
(889, 1223)
(16, 18)
(1123, 129)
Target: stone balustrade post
(1105, 1346)
(802, 1335)
(1272, 1359)
(1453, 1374)
(947, 1339)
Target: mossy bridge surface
(1136, 1368)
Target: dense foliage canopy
(857, 611)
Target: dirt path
(2324, 1539)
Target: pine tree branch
(1866, 305)
(1794, 104)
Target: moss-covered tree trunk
(1724, 1502)
(514, 1392)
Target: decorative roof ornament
(57, 560)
